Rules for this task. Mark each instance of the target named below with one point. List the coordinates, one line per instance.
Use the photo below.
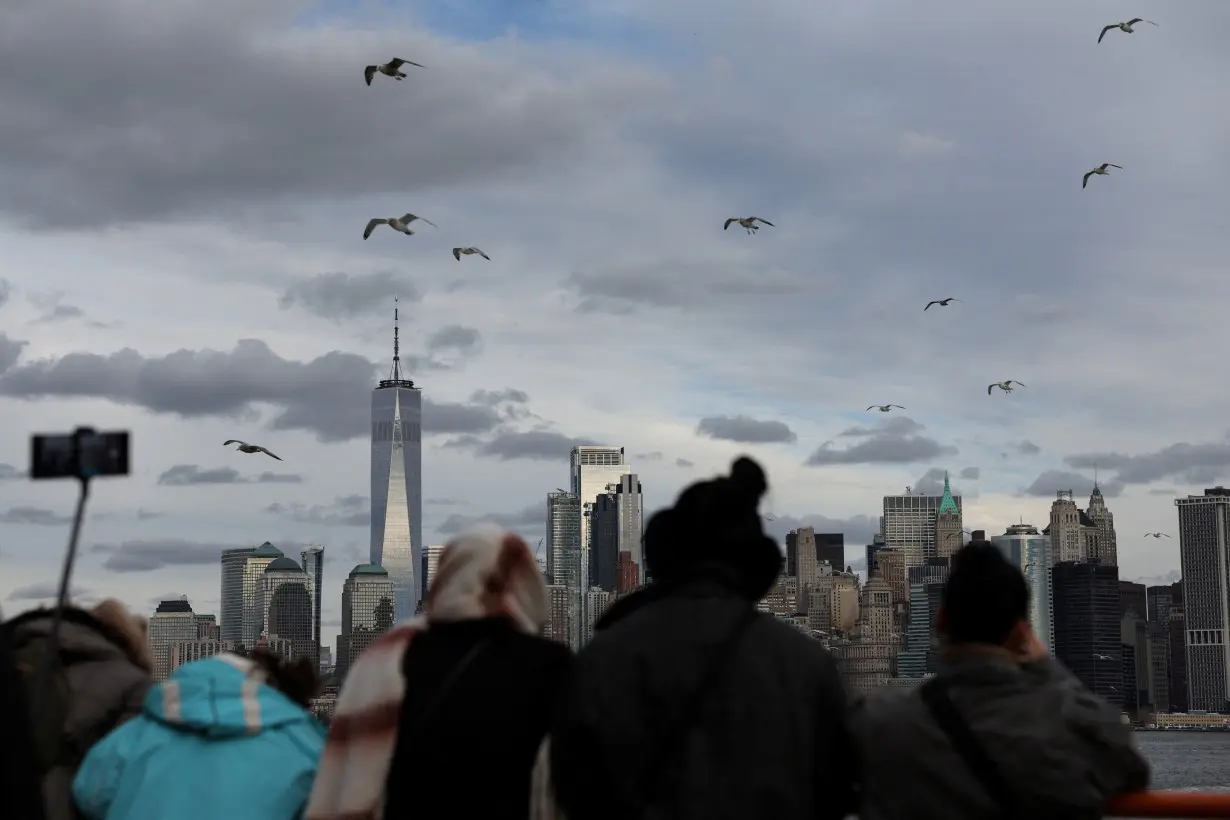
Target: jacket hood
(86, 635)
(222, 696)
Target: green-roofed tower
(947, 504)
(948, 530)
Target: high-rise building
(183, 652)
(909, 524)
(1030, 552)
(1204, 549)
(1137, 657)
(1133, 599)
(1087, 625)
(207, 628)
(565, 557)
(1178, 659)
(604, 542)
(369, 609)
(592, 467)
(397, 482)
(1106, 549)
(596, 602)
(1169, 683)
(877, 544)
(240, 603)
(561, 614)
(431, 561)
(314, 565)
(172, 621)
(949, 534)
(921, 641)
(1066, 529)
(629, 574)
(806, 549)
(866, 663)
(286, 607)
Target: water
(1191, 761)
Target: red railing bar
(1171, 804)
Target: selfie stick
(52, 656)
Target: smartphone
(82, 454)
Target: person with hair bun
(1003, 729)
(688, 702)
(223, 737)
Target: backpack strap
(936, 695)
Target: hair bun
(748, 478)
(979, 555)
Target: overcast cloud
(202, 229)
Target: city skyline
(657, 330)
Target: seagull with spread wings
(748, 222)
(1156, 535)
(457, 252)
(941, 302)
(1126, 28)
(1006, 385)
(1101, 171)
(390, 69)
(397, 223)
(884, 408)
(244, 447)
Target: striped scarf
(484, 574)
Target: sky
(182, 207)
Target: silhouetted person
(690, 703)
(100, 674)
(19, 771)
(223, 738)
(1003, 730)
(443, 716)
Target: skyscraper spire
(947, 504)
(395, 375)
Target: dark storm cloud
(972, 473)
(342, 296)
(683, 462)
(533, 445)
(531, 518)
(345, 511)
(858, 530)
(10, 473)
(465, 340)
(33, 515)
(745, 430)
(149, 555)
(1052, 481)
(893, 442)
(45, 590)
(1190, 463)
(452, 417)
(10, 352)
(260, 112)
(187, 475)
(1028, 448)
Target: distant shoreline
(1185, 730)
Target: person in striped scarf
(468, 687)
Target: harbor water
(1190, 761)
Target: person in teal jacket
(224, 738)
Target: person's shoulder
(547, 651)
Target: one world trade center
(397, 483)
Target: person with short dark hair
(1002, 730)
(690, 703)
(223, 737)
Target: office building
(877, 544)
(397, 483)
(1133, 599)
(866, 662)
(286, 607)
(369, 609)
(1030, 552)
(431, 561)
(240, 603)
(592, 468)
(1137, 661)
(561, 614)
(615, 524)
(949, 534)
(1105, 549)
(909, 523)
(782, 598)
(1087, 625)
(565, 556)
(183, 652)
(172, 622)
(629, 574)
(207, 628)
(1169, 683)
(1204, 549)
(1068, 529)
(314, 565)
(806, 549)
(1177, 638)
(596, 602)
(921, 640)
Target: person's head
(298, 680)
(488, 573)
(986, 599)
(129, 629)
(715, 524)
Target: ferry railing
(1177, 805)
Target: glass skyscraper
(314, 566)
(397, 483)
(242, 570)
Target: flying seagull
(1156, 535)
(244, 447)
(1102, 657)
(397, 223)
(941, 302)
(1006, 386)
(1126, 28)
(748, 222)
(457, 252)
(884, 408)
(392, 69)
(1101, 169)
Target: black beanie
(715, 524)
